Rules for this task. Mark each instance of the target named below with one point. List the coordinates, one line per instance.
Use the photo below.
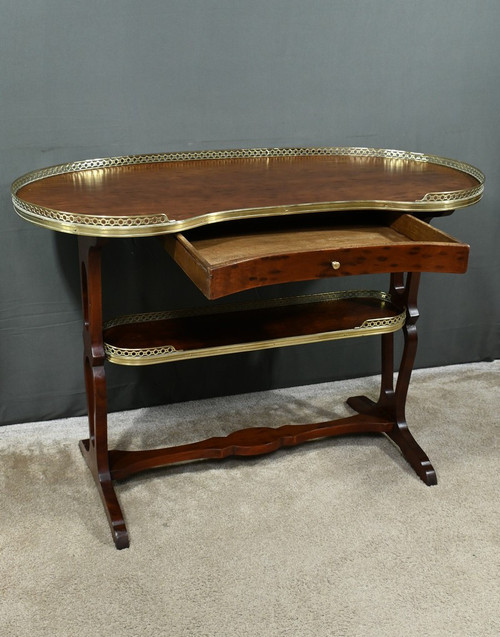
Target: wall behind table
(81, 80)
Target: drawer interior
(229, 257)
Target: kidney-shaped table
(240, 219)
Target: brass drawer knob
(335, 265)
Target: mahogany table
(240, 219)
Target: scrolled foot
(427, 474)
(120, 537)
(413, 453)
(108, 496)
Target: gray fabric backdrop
(93, 79)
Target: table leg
(392, 402)
(95, 448)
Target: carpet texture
(335, 538)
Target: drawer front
(307, 266)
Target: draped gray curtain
(93, 79)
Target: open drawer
(235, 256)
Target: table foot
(401, 436)
(109, 499)
(414, 454)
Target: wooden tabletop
(151, 194)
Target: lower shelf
(160, 337)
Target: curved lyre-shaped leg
(95, 449)
(392, 402)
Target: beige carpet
(335, 538)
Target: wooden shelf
(146, 339)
